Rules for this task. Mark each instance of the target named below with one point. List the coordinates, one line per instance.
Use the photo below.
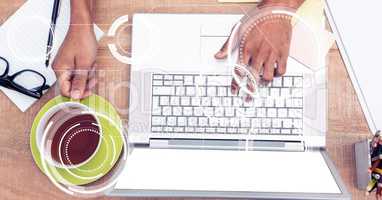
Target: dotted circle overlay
(268, 18)
(81, 131)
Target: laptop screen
(240, 171)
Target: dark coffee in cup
(74, 137)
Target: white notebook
(356, 25)
(23, 39)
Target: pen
(49, 46)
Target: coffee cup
(69, 134)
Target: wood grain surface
(20, 179)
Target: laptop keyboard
(204, 104)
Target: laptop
(193, 138)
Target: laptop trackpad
(213, 170)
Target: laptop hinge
(249, 145)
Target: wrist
(284, 3)
(81, 12)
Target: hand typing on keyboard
(264, 43)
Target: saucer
(107, 154)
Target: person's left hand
(75, 62)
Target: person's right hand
(75, 62)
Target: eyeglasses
(27, 82)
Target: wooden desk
(20, 177)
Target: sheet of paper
(358, 33)
(23, 39)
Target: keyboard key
(189, 129)
(174, 101)
(158, 121)
(234, 122)
(157, 76)
(276, 123)
(168, 83)
(201, 91)
(179, 129)
(163, 90)
(208, 112)
(297, 123)
(190, 91)
(266, 123)
(297, 131)
(213, 121)
(157, 82)
(221, 130)
(206, 101)
(166, 110)
(216, 101)
(298, 82)
(256, 123)
(203, 121)
(224, 122)
(229, 111)
(200, 130)
(285, 131)
(182, 121)
(231, 130)
(164, 101)
(156, 111)
(275, 92)
(287, 123)
(263, 92)
(188, 80)
(187, 111)
(222, 91)
(177, 111)
(297, 92)
(275, 131)
(219, 111)
(258, 102)
(285, 92)
(269, 102)
(171, 121)
(237, 101)
(280, 102)
(261, 112)
(287, 81)
(295, 113)
(271, 112)
(180, 91)
(185, 101)
(200, 80)
(219, 80)
(263, 131)
(178, 77)
(156, 129)
(242, 130)
(168, 77)
(250, 112)
(245, 122)
(297, 103)
(254, 131)
(211, 91)
(198, 111)
(226, 101)
(210, 130)
(195, 101)
(177, 83)
(192, 121)
(240, 112)
(277, 82)
(168, 129)
(282, 113)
